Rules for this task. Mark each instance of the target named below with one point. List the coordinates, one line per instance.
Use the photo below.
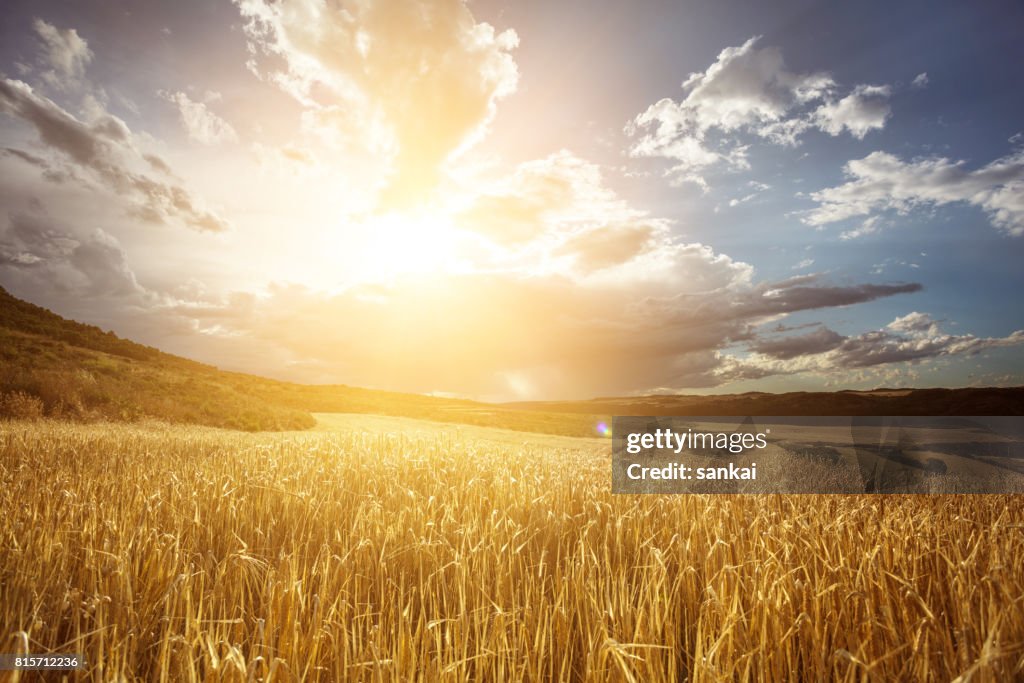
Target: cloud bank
(913, 338)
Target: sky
(526, 200)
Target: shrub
(20, 405)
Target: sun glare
(399, 244)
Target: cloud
(757, 188)
(883, 182)
(819, 341)
(508, 334)
(65, 54)
(878, 348)
(47, 258)
(608, 246)
(27, 157)
(579, 293)
(915, 324)
(539, 196)
(556, 215)
(103, 150)
(893, 262)
(913, 338)
(869, 226)
(157, 163)
(419, 79)
(749, 90)
(803, 293)
(202, 125)
(559, 211)
(747, 85)
(863, 110)
(920, 80)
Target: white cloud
(882, 182)
(417, 82)
(757, 188)
(202, 125)
(749, 90)
(915, 324)
(747, 85)
(65, 53)
(869, 226)
(893, 262)
(920, 80)
(863, 110)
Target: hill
(60, 368)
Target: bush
(21, 406)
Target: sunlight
(403, 243)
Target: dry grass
(182, 554)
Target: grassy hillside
(53, 367)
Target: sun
(401, 244)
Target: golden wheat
(191, 554)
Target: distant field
(406, 427)
(376, 548)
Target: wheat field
(397, 552)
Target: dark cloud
(821, 340)
(881, 347)
(27, 157)
(34, 254)
(792, 295)
(910, 339)
(103, 263)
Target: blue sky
(530, 199)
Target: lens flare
(604, 429)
